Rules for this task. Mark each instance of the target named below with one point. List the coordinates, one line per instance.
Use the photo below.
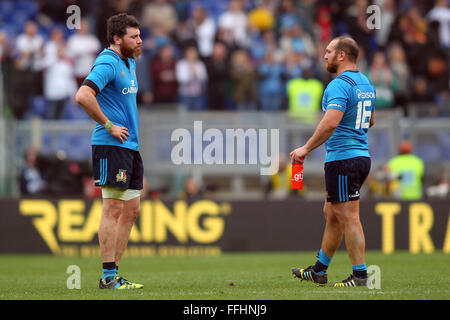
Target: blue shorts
(344, 178)
(117, 167)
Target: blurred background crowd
(243, 53)
(225, 55)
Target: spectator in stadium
(402, 73)
(304, 97)
(440, 187)
(378, 181)
(4, 47)
(356, 18)
(243, 76)
(204, 30)
(160, 14)
(387, 19)
(218, 77)
(362, 61)
(191, 75)
(406, 173)
(384, 80)
(32, 180)
(296, 39)
(288, 15)
(441, 13)
(192, 191)
(29, 46)
(292, 69)
(262, 43)
(421, 91)
(59, 79)
(270, 83)
(292, 66)
(411, 32)
(438, 73)
(233, 22)
(160, 37)
(27, 78)
(82, 48)
(165, 85)
(324, 24)
(143, 75)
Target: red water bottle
(297, 175)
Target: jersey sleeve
(101, 74)
(337, 96)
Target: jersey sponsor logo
(132, 89)
(129, 90)
(365, 94)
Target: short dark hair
(349, 46)
(117, 25)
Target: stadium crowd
(226, 54)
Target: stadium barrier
(430, 137)
(208, 227)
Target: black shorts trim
(117, 167)
(344, 178)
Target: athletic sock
(322, 263)
(109, 271)
(360, 270)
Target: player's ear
(341, 55)
(117, 39)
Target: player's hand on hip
(120, 133)
(298, 154)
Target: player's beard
(129, 52)
(332, 66)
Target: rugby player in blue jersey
(348, 103)
(108, 95)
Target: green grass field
(243, 276)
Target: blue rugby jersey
(353, 94)
(116, 85)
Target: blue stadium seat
(444, 139)
(38, 107)
(429, 152)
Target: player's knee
(338, 214)
(132, 213)
(112, 210)
(345, 216)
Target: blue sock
(360, 270)
(109, 271)
(322, 263)
(109, 274)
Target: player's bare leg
(125, 222)
(347, 213)
(111, 211)
(130, 212)
(334, 231)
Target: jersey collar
(123, 59)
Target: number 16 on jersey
(363, 114)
